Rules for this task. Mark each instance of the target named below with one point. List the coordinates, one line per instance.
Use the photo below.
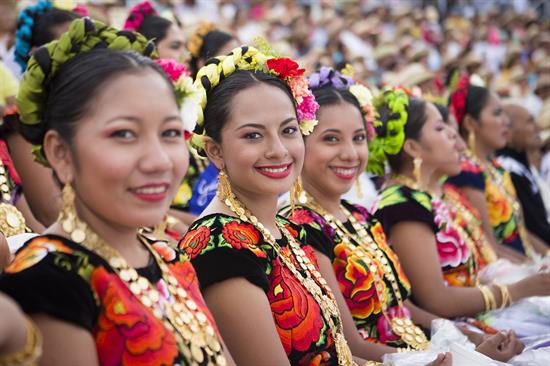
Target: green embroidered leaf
(423, 199)
(391, 196)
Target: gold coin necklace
(194, 333)
(311, 279)
(12, 221)
(364, 247)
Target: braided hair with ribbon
(398, 117)
(35, 25)
(56, 90)
(207, 41)
(258, 67)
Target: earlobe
(214, 152)
(59, 156)
(411, 148)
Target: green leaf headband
(249, 58)
(83, 35)
(388, 140)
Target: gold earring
(472, 141)
(68, 216)
(417, 171)
(358, 188)
(224, 186)
(297, 193)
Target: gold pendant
(411, 334)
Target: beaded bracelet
(30, 353)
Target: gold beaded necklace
(309, 277)
(12, 221)
(498, 180)
(364, 247)
(197, 339)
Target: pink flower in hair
(137, 14)
(308, 108)
(81, 10)
(173, 68)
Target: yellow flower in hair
(306, 127)
(363, 95)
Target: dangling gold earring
(297, 193)
(417, 172)
(68, 216)
(472, 141)
(224, 186)
(358, 188)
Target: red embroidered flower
(243, 236)
(292, 231)
(127, 333)
(297, 316)
(195, 241)
(285, 67)
(301, 217)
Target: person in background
(522, 137)
(166, 34)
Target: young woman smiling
(92, 283)
(258, 274)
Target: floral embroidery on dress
(298, 319)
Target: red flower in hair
(458, 98)
(285, 67)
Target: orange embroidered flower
(195, 241)
(127, 333)
(34, 252)
(356, 283)
(500, 210)
(241, 235)
(297, 316)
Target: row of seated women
(320, 282)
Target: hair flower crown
(250, 58)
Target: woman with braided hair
(166, 34)
(99, 289)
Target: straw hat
(385, 50)
(543, 82)
(413, 75)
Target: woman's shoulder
(53, 251)
(400, 195)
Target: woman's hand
(5, 255)
(443, 359)
(534, 285)
(501, 346)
